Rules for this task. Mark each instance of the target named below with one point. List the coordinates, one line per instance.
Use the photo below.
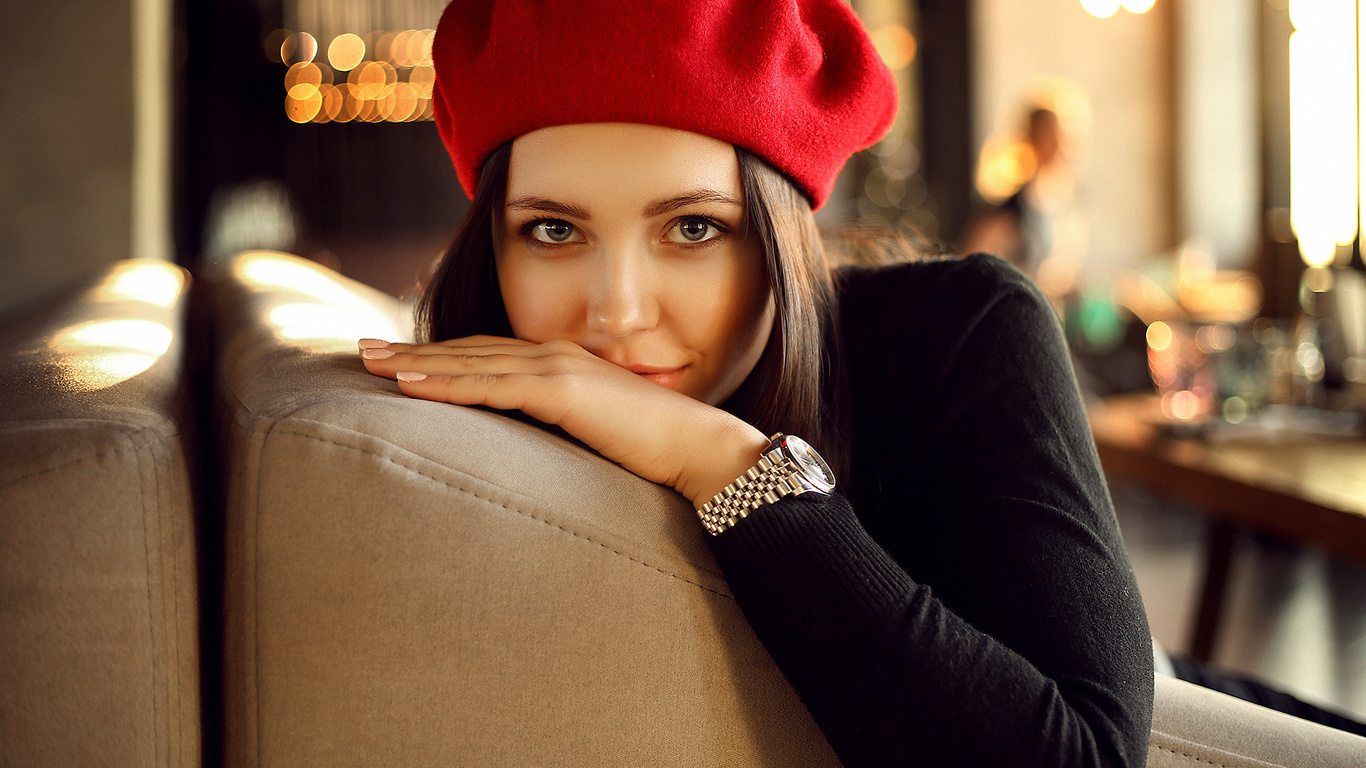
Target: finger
(482, 340)
(467, 364)
(468, 342)
(505, 391)
(376, 349)
(390, 354)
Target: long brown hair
(794, 388)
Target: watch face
(813, 468)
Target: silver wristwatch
(788, 467)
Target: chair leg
(1219, 541)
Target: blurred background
(1175, 174)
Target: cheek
(733, 322)
(750, 325)
(752, 303)
(537, 307)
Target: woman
(640, 267)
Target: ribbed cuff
(806, 564)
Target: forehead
(616, 160)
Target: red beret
(796, 82)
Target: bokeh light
(298, 48)
(303, 102)
(1003, 165)
(1101, 9)
(1323, 112)
(374, 80)
(399, 53)
(1159, 336)
(1179, 362)
(304, 73)
(405, 103)
(895, 44)
(423, 77)
(274, 45)
(388, 77)
(1235, 410)
(420, 47)
(346, 51)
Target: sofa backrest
(423, 584)
(99, 645)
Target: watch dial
(810, 463)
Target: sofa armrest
(99, 659)
(1196, 727)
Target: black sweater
(970, 603)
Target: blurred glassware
(1181, 370)
(1340, 308)
(1306, 362)
(1228, 371)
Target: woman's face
(626, 239)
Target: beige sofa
(411, 583)
(99, 640)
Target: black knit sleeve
(978, 609)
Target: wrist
(735, 447)
(788, 467)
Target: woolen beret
(796, 82)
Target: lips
(665, 377)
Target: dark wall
(946, 89)
(66, 143)
(348, 181)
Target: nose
(622, 298)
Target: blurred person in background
(1039, 228)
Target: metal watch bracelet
(774, 476)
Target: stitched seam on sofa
(77, 422)
(250, 692)
(516, 510)
(247, 417)
(1200, 759)
(133, 447)
(149, 553)
(1242, 759)
(249, 598)
(170, 600)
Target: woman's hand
(655, 432)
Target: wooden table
(1307, 489)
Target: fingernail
(411, 376)
(373, 353)
(371, 343)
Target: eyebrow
(546, 205)
(692, 198)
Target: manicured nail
(411, 376)
(371, 343)
(376, 353)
